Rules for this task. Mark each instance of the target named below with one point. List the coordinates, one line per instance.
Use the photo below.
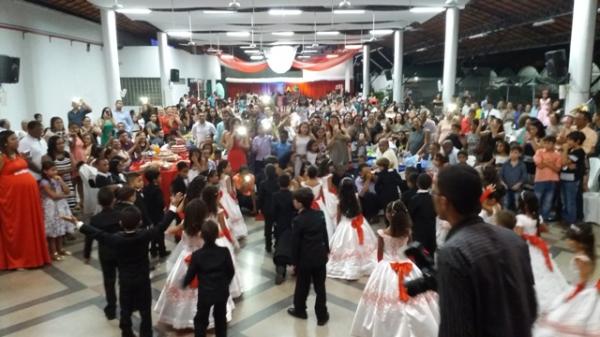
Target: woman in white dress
(385, 308)
(211, 197)
(549, 281)
(353, 246)
(299, 147)
(576, 312)
(229, 203)
(316, 186)
(176, 306)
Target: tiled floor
(66, 299)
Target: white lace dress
(385, 310)
(235, 218)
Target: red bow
(402, 269)
(194, 284)
(357, 223)
(578, 288)
(486, 193)
(540, 244)
(226, 233)
(314, 205)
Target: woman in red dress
(237, 143)
(22, 233)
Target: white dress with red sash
(353, 249)
(330, 197)
(235, 218)
(227, 240)
(319, 204)
(385, 309)
(176, 306)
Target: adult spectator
(582, 123)
(123, 116)
(79, 109)
(4, 125)
(22, 234)
(202, 129)
(384, 151)
(485, 282)
(34, 147)
(450, 152)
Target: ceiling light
(256, 57)
(348, 11)
(252, 51)
(477, 36)
(285, 11)
(250, 46)
(141, 11)
(331, 56)
(344, 4)
(426, 9)
(283, 33)
(234, 4)
(217, 11)
(238, 34)
(180, 33)
(543, 22)
(283, 43)
(421, 49)
(304, 56)
(329, 33)
(353, 46)
(309, 51)
(381, 31)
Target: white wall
(52, 70)
(332, 74)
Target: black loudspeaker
(174, 75)
(9, 69)
(556, 63)
(388, 74)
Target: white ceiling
(211, 28)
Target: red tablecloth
(166, 177)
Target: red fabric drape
(243, 66)
(314, 90)
(315, 64)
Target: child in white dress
(576, 312)
(353, 246)
(549, 281)
(229, 203)
(316, 186)
(385, 309)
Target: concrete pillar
(348, 75)
(397, 72)
(111, 53)
(450, 52)
(366, 71)
(163, 60)
(580, 56)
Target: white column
(213, 85)
(366, 71)
(164, 67)
(348, 75)
(450, 52)
(111, 53)
(580, 56)
(398, 59)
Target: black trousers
(109, 275)
(219, 314)
(269, 221)
(157, 246)
(304, 276)
(369, 204)
(136, 297)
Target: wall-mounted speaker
(556, 63)
(9, 69)
(174, 75)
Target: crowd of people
(319, 173)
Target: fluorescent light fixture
(304, 56)
(353, 46)
(256, 57)
(309, 51)
(227, 57)
(276, 11)
(238, 34)
(543, 22)
(250, 46)
(283, 33)
(349, 11)
(381, 31)
(217, 11)
(134, 11)
(331, 56)
(180, 33)
(284, 43)
(329, 33)
(419, 10)
(477, 36)
(252, 51)
(421, 49)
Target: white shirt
(202, 131)
(390, 155)
(453, 156)
(37, 148)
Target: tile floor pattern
(66, 299)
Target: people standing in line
(422, 213)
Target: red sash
(194, 283)
(357, 223)
(226, 233)
(578, 288)
(402, 269)
(540, 244)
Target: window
(141, 87)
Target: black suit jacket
(407, 195)
(102, 180)
(155, 203)
(178, 185)
(310, 243)
(131, 249)
(140, 203)
(265, 200)
(387, 186)
(214, 268)
(422, 213)
(283, 211)
(108, 221)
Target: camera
(419, 255)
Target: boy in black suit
(179, 184)
(411, 182)
(155, 204)
(131, 247)
(421, 210)
(310, 249)
(283, 213)
(265, 202)
(103, 177)
(108, 221)
(213, 267)
(388, 183)
(135, 181)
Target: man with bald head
(384, 151)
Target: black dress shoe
(322, 321)
(297, 314)
(110, 313)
